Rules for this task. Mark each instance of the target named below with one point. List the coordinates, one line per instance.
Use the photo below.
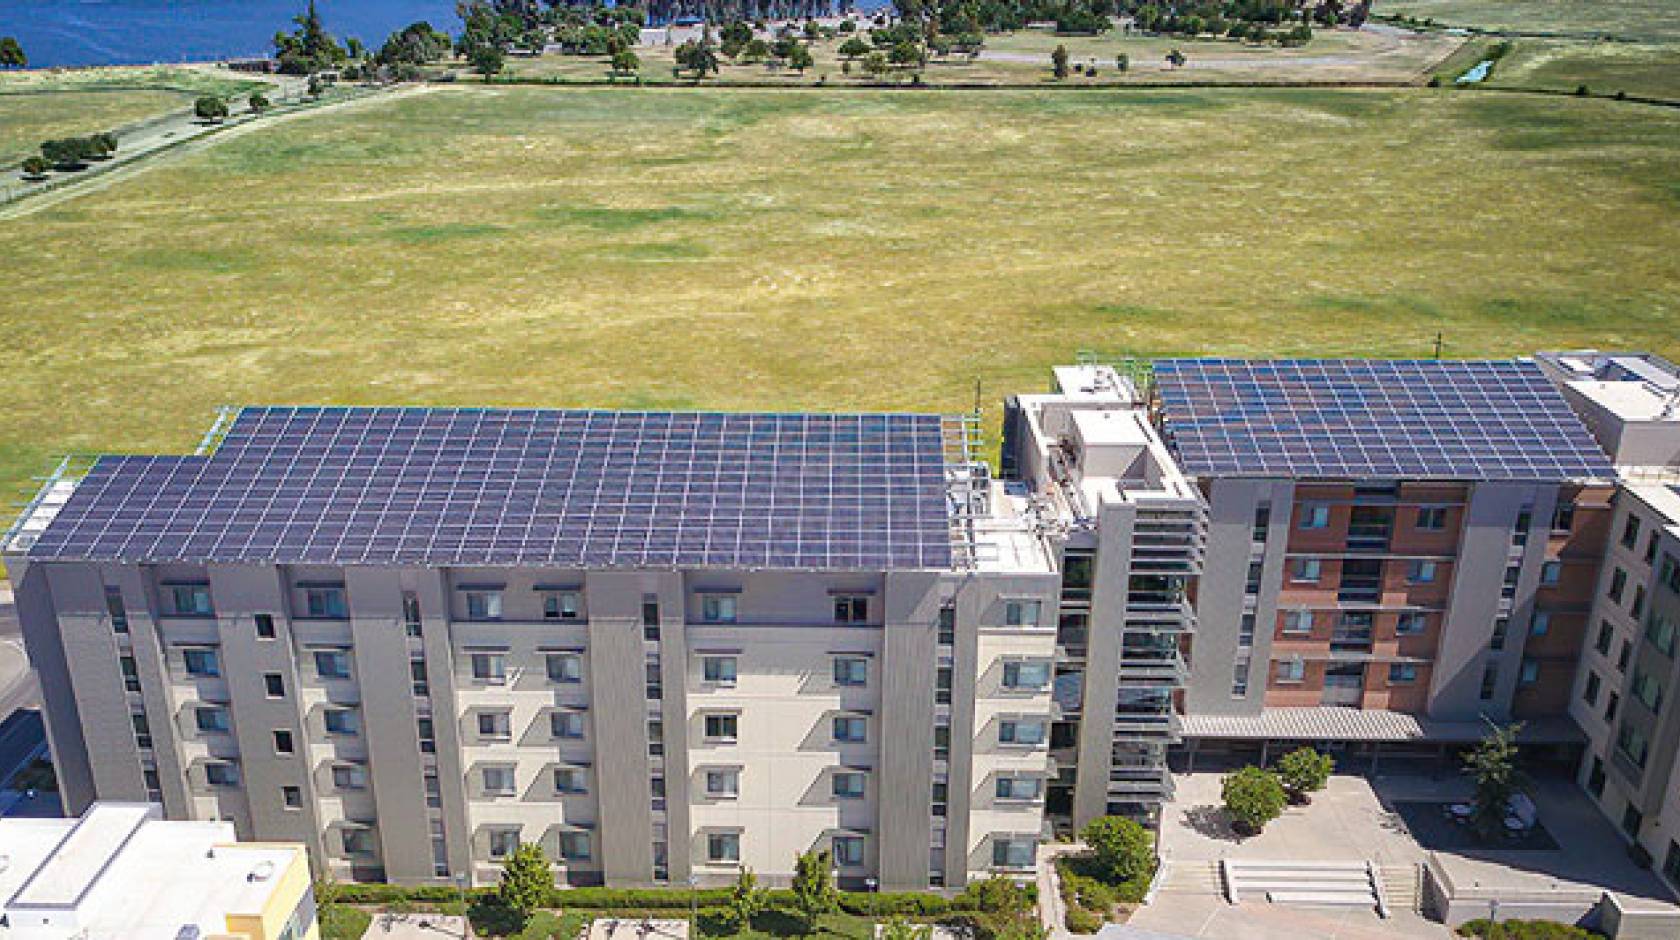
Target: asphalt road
(21, 738)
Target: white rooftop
(121, 871)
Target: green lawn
(1656, 20)
(28, 119)
(749, 249)
(1650, 69)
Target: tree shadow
(1210, 821)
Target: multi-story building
(661, 645)
(1629, 670)
(122, 872)
(1395, 550)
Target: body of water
(132, 32)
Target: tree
(1253, 798)
(1121, 847)
(1059, 62)
(210, 108)
(905, 53)
(11, 53)
(746, 898)
(853, 47)
(900, 929)
(487, 59)
(875, 64)
(1122, 62)
(799, 58)
(354, 48)
(1176, 59)
(259, 102)
(1492, 764)
(316, 86)
(34, 168)
(1304, 771)
(625, 62)
(813, 887)
(756, 50)
(697, 57)
(66, 153)
(526, 879)
(415, 44)
(309, 48)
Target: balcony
(1140, 782)
(1153, 668)
(1343, 689)
(1147, 726)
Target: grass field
(28, 119)
(1024, 58)
(761, 249)
(1650, 20)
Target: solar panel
(1373, 419)
(528, 487)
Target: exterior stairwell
(1193, 877)
(1402, 886)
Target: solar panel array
(527, 487)
(1373, 419)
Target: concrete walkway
(1052, 910)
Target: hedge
(889, 904)
(1524, 930)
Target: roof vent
(263, 872)
(187, 932)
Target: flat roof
(1373, 419)
(560, 488)
(1330, 723)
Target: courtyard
(1359, 818)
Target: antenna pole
(1438, 344)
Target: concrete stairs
(1402, 886)
(1192, 877)
(1305, 884)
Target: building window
(142, 729)
(650, 617)
(1021, 613)
(211, 719)
(1291, 670)
(570, 780)
(489, 667)
(327, 602)
(1239, 678)
(130, 673)
(1245, 631)
(221, 774)
(1637, 609)
(190, 600)
(1589, 694)
(484, 605)
(847, 785)
(1020, 731)
(1026, 675)
(118, 611)
(1013, 853)
(566, 724)
(1252, 584)
(656, 737)
(332, 664)
(1315, 515)
(723, 784)
(1606, 634)
(1595, 777)
(1659, 632)
(411, 613)
(291, 797)
(1530, 673)
(718, 669)
(723, 847)
(943, 676)
(563, 605)
(851, 671)
(947, 635)
(574, 846)
(426, 733)
(1630, 532)
(1018, 788)
(202, 663)
(1550, 572)
(274, 685)
(718, 608)
(565, 667)
(1632, 821)
(265, 626)
(1490, 681)
(851, 609)
(1623, 655)
(1432, 518)
(1671, 863)
(1541, 624)
(722, 727)
(1262, 520)
(283, 742)
(418, 676)
(1298, 621)
(503, 842)
(1402, 673)
(1647, 690)
(1421, 572)
(349, 777)
(1411, 624)
(340, 721)
(498, 781)
(1618, 584)
(850, 728)
(1611, 705)
(848, 851)
(1306, 570)
(357, 841)
(1634, 745)
(497, 725)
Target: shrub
(1524, 930)
(1304, 771)
(1434, 81)
(1121, 848)
(1253, 798)
(1079, 920)
(35, 167)
(527, 881)
(1581, 91)
(210, 108)
(995, 895)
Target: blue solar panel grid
(1373, 419)
(528, 487)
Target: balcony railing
(1141, 782)
(1147, 726)
(1152, 668)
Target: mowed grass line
(747, 249)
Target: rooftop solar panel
(1373, 419)
(527, 487)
